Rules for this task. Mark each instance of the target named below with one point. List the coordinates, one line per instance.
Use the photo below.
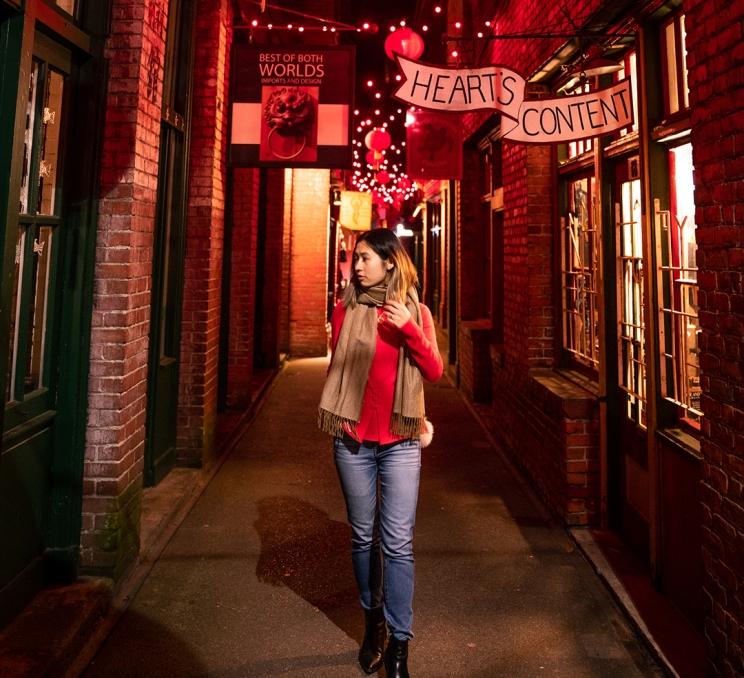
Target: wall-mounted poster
(291, 106)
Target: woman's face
(370, 269)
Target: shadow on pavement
(310, 554)
(151, 649)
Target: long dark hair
(387, 246)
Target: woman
(384, 346)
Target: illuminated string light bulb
(437, 9)
(458, 24)
(356, 111)
(270, 26)
(454, 54)
(397, 77)
(301, 29)
(480, 34)
(370, 83)
(402, 22)
(488, 23)
(290, 26)
(254, 23)
(365, 26)
(378, 95)
(392, 29)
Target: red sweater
(377, 407)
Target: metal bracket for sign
(534, 36)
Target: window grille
(677, 281)
(580, 262)
(631, 303)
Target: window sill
(575, 393)
(682, 440)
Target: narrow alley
(257, 581)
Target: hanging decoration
(377, 139)
(292, 106)
(356, 210)
(495, 87)
(405, 42)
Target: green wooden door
(170, 233)
(36, 235)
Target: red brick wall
(123, 277)
(242, 285)
(205, 229)
(309, 262)
(716, 62)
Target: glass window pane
(631, 327)
(683, 69)
(50, 129)
(15, 305)
(671, 61)
(678, 288)
(580, 267)
(41, 258)
(29, 140)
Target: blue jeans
(384, 576)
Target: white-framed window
(677, 279)
(631, 301)
(629, 63)
(580, 252)
(674, 54)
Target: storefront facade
(601, 334)
(145, 282)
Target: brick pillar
(539, 223)
(242, 285)
(204, 239)
(715, 62)
(309, 262)
(117, 383)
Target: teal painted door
(37, 234)
(170, 234)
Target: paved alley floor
(257, 581)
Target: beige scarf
(343, 393)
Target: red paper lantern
(377, 140)
(405, 42)
(382, 177)
(372, 157)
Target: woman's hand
(396, 313)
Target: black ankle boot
(373, 645)
(396, 658)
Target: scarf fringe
(333, 424)
(408, 427)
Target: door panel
(170, 235)
(631, 397)
(33, 336)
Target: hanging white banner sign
(542, 121)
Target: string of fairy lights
(377, 171)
